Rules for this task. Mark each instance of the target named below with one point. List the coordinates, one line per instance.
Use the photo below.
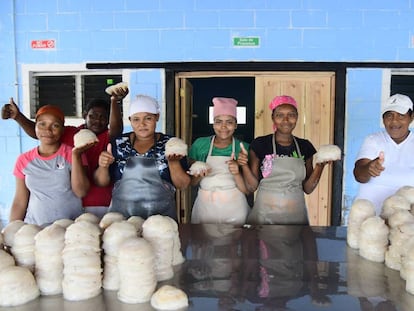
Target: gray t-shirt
(49, 182)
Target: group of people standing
(279, 166)
(130, 172)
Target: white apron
(218, 198)
(280, 198)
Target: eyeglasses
(289, 115)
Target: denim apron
(142, 192)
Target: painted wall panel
(198, 30)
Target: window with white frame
(398, 81)
(69, 89)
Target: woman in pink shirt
(51, 179)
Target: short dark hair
(97, 102)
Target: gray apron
(142, 192)
(281, 261)
(280, 198)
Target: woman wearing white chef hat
(221, 197)
(145, 176)
(384, 163)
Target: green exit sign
(246, 41)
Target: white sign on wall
(241, 115)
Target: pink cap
(224, 106)
(282, 99)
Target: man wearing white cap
(221, 196)
(385, 163)
(145, 177)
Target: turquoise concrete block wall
(198, 30)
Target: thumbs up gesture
(376, 167)
(10, 110)
(233, 166)
(106, 158)
(243, 156)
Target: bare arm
(116, 125)
(238, 177)
(251, 171)
(102, 177)
(78, 177)
(179, 177)
(366, 168)
(312, 175)
(20, 201)
(11, 111)
(196, 178)
(250, 180)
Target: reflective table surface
(266, 268)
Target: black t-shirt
(263, 146)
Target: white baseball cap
(144, 103)
(398, 103)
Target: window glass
(60, 91)
(403, 84)
(71, 92)
(94, 86)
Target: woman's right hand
(10, 110)
(242, 159)
(106, 158)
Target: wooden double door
(314, 92)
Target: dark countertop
(266, 268)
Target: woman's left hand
(83, 148)
(243, 156)
(233, 165)
(322, 164)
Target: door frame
(340, 68)
(336, 193)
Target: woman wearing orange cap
(281, 168)
(98, 115)
(221, 196)
(51, 178)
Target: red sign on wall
(43, 44)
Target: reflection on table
(266, 268)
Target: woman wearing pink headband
(281, 168)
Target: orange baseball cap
(53, 110)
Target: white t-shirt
(398, 164)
